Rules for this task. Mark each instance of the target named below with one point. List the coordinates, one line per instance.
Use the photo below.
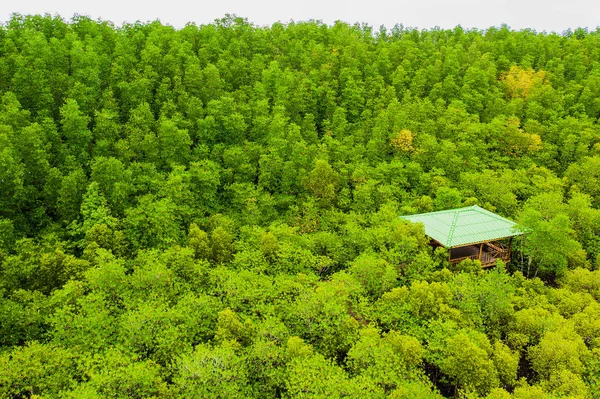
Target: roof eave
(484, 241)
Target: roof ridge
(452, 227)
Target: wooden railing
(458, 260)
(498, 251)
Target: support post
(480, 251)
(449, 254)
(509, 249)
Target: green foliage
(198, 241)
(388, 361)
(152, 224)
(231, 328)
(557, 351)
(506, 363)
(211, 372)
(305, 378)
(213, 211)
(36, 369)
(376, 275)
(465, 357)
(323, 182)
(545, 225)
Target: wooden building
(470, 233)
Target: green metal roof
(463, 226)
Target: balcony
(486, 253)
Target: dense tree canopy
(214, 211)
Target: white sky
(541, 15)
